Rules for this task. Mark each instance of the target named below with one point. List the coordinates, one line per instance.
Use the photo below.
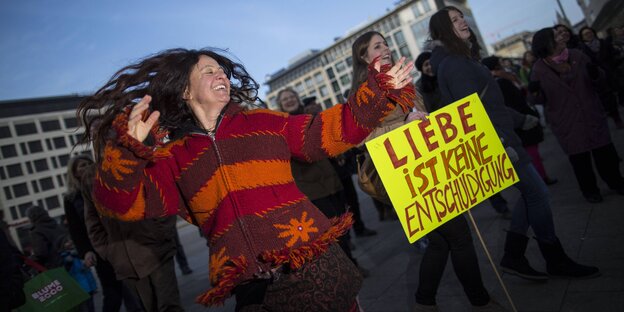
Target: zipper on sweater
(243, 227)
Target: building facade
(327, 73)
(37, 139)
(514, 46)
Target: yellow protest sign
(437, 169)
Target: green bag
(52, 291)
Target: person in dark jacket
(428, 87)
(45, 237)
(516, 100)
(73, 204)
(456, 63)
(603, 55)
(571, 40)
(141, 253)
(11, 278)
(566, 80)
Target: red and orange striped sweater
(238, 184)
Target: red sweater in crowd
(237, 186)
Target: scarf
(561, 58)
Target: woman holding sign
(455, 60)
(453, 237)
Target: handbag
(52, 291)
(369, 180)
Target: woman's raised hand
(137, 127)
(400, 73)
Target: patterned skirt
(329, 283)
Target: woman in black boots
(455, 61)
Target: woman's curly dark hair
(164, 76)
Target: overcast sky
(60, 47)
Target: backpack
(369, 180)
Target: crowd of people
(272, 192)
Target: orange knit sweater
(238, 184)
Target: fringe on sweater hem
(227, 281)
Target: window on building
(63, 160)
(23, 208)
(318, 77)
(341, 98)
(8, 150)
(59, 142)
(395, 55)
(52, 202)
(323, 90)
(399, 38)
(15, 170)
(328, 103)
(35, 146)
(5, 132)
(50, 125)
(23, 148)
(46, 183)
(349, 61)
(335, 86)
(26, 128)
(340, 66)
(54, 162)
(426, 6)
(20, 189)
(312, 93)
(405, 52)
(345, 80)
(309, 83)
(7, 192)
(71, 123)
(390, 42)
(29, 167)
(2, 175)
(416, 9)
(299, 88)
(59, 179)
(35, 186)
(49, 144)
(330, 73)
(14, 215)
(41, 165)
(421, 31)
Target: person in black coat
(141, 252)
(515, 99)
(11, 278)
(604, 55)
(46, 236)
(455, 60)
(73, 204)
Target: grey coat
(573, 108)
(459, 76)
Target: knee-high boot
(514, 261)
(559, 264)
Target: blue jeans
(534, 208)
